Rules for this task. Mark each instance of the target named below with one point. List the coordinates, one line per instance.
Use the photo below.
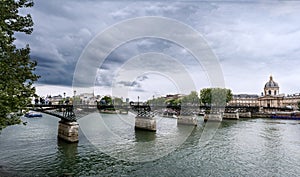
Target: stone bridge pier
(68, 126)
(187, 120)
(186, 117)
(145, 121)
(68, 131)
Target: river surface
(109, 146)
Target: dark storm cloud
(62, 29)
(130, 84)
(142, 78)
(145, 45)
(53, 73)
(243, 35)
(134, 84)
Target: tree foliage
(117, 101)
(160, 101)
(106, 100)
(191, 99)
(173, 102)
(217, 96)
(16, 67)
(205, 96)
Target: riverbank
(247, 115)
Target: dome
(271, 83)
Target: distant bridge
(71, 113)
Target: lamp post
(138, 104)
(64, 99)
(74, 97)
(153, 101)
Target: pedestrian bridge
(145, 115)
(65, 112)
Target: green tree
(160, 101)
(173, 101)
(191, 99)
(217, 96)
(117, 101)
(106, 100)
(205, 96)
(16, 67)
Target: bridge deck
(68, 112)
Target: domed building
(271, 97)
(271, 87)
(270, 100)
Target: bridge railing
(68, 112)
(64, 112)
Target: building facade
(244, 100)
(270, 99)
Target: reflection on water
(67, 154)
(109, 146)
(67, 151)
(116, 136)
(144, 136)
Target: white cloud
(251, 39)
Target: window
(270, 92)
(275, 92)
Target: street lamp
(153, 101)
(138, 104)
(64, 100)
(74, 97)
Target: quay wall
(245, 114)
(261, 115)
(234, 116)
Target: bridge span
(145, 115)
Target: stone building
(270, 99)
(291, 101)
(244, 100)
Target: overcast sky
(251, 41)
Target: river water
(109, 146)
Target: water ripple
(253, 147)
